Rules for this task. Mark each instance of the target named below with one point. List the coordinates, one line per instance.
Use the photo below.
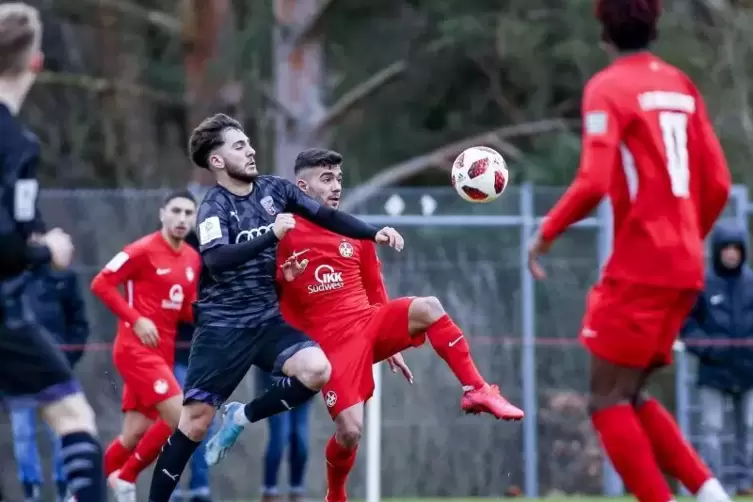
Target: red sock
(340, 461)
(115, 456)
(675, 455)
(629, 449)
(450, 344)
(146, 451)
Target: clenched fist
(391, 237)
(60, 246)
(284, 223)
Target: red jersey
(342, 282)
(649, 145)
(160, 283)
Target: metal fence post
(682, 395)
(528, 350)
(612, 484)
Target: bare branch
(157, 18)
(100, 85)
(442, 156)
(361, 91)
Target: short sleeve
(212, 228)
(601, 119)
(296, 201)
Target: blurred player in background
(238, 315)
(332, 288)
(58, 306)
(31, 365)
(159, 273)
(649, 145)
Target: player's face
(324, 184)
(236, 156)
(178, 217)
(731, 256)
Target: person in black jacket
(56, 300)
(720, 333)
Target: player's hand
(292, 268)
(284, 223)
(60, 246)
(391, 237)
(146, 331)
(397, 363)
(537, 248)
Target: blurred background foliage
(127, 79)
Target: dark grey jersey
(244, 296)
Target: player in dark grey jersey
(32, 367)
(238, 320)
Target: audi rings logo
(247, 235)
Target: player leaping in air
(649, 145)
(159, 273)
(237, 315)
(331, 287)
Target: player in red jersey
(160, 274)
(649, 145)
(331, 288)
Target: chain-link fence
(523, 337)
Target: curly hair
(628, 24)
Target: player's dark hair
(316, 157)
(209, 135)
(628, 24)
(178, 194)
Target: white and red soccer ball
(479, 174)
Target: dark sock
(83, 465)
(170, 465)
(62, 489)
(32, 491)
(283, 395)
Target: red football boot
(487, 399)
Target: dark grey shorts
(221, 357)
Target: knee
(311, 367)
(349, 433)
(71, 414)
(195, 420)
(425, 311)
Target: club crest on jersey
(346, 249)
(189, 274)
(330, 399)
(269, 205)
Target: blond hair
(20, 36)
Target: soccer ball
(479, 174)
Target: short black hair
(628, 24)
(208, 135)
(316, 157)
(178, 194)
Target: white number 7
(674, 128)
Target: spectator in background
(56, 300)
(198, 485)
(291, 429)
(720, 333)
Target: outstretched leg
(426, 315)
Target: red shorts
(147, 377)
(632, 324)
(374, 338)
